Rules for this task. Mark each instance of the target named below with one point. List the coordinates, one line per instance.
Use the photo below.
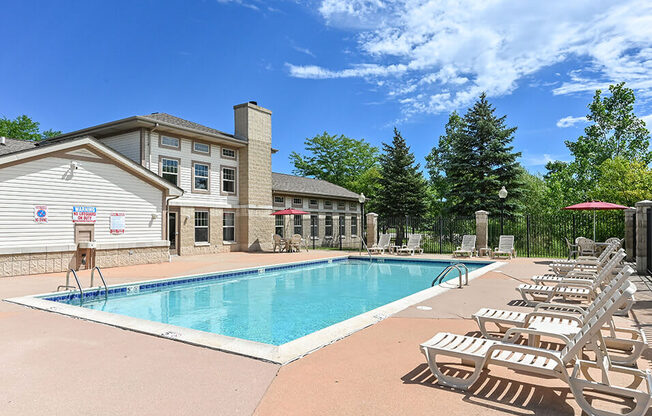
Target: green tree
(623, 181)
(24, 128)
(474, 159)
(616, 132)
(402, 190)
(341, 160)
(534, 192)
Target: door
(173, 235)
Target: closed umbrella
(594, 206)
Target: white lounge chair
(543, 362)
(381, 245)
(505, 247)
(579, 272)
(567, 288)
(583, 263)
(549, 317)
(467, 248)
(413, 245)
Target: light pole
(361, 199)
(502, 194)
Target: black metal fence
(439, 235)
(536, 235)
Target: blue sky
(355, 67)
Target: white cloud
(242, 3)
(570, 121)
(437, 55)
(303, 50)
(538, 159)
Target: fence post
(630, 232)
(574, 230)
(481, 229)
(528, 234)
(372, 228)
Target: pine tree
(402, 186)
(477, 159)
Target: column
(372, 228)
(481, 229)
(630, 233)
(641, 235)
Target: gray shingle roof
(13, 145)
(282, 182)
(177, 121)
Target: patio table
(484, 251)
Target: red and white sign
(117, 223)
(40, 213)
(84, 214)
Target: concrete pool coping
(281, 354)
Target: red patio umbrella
(289, 211)
(594, 206)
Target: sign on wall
(84, 214)
(117, 223)
(40, 213)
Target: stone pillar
(481, 229)
(630, 232)
(256, 226)
(641, 235)
(372, 228)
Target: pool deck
(54, 364)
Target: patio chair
(585, 246)
(582, 266)
(615, 240)
(413, 245)
(467, 247)
(382, 244)
(572, 249)
(546, 363)
(295, 242)
(278, 242)
(566, 319)
(567, 288)
(505, 247)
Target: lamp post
(502, 194)
(361, 199)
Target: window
(228, 226)
(342, 220)
(314, 226)
(279, 200)
(314, 203)
(228, 180)
(353, 206)
(200, 175)
(328, 226)
(354, 225)
(228, 153)
(201, 147)
(298, 224)
(279, 225)
(297, 202)
(201, 226)
(328, 204)
(170, 170)
(341, 205)
(172, 142)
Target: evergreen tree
(402, 190)
(477, 158)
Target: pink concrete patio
(53, 364)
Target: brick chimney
(255, 228)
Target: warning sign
(41, 213)
(117, 223)
(84, 214)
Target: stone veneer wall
(39, 263)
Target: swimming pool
(274, 305)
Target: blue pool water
(276, 307)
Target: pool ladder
(448, 269)
(81, 291)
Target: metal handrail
(450, 267)
(106, 289)
(366, 248)
(67, 285)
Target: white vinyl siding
(48, 181)
(187, 157)
(128, 144)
